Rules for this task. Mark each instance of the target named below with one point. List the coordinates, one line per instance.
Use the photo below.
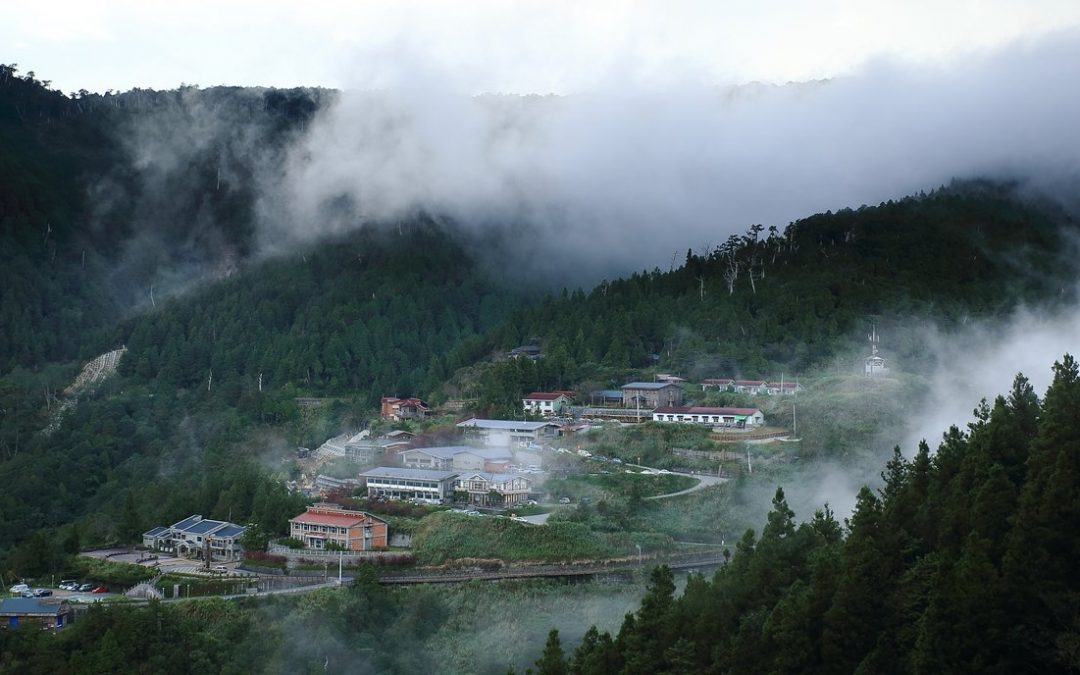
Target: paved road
(704, 481)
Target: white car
(19, 589)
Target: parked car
(42, 592)
(68, 585)
(19, 589)
(86, 588)
(564, 500)
(99, 589)
(220, 569)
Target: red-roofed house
(750, 387)
(547, 402)
(322, 524)
(399, 409)
(718, 417)
(783, 387)
(721, 383)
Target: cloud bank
(622, 176)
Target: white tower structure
(874, 365)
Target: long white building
(717, 417)
(422, 484)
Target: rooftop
(205, 526)
(648, 385)
(443, 452)
(230, 530)
(398, 472)
(546, 395)
(324, 518)
(702, 410)
(504, 424)
(494, 477)
(156, 532)
(32, 606)
(186, 522)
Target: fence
(295, 555)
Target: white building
(512, 489)
(421, 484)
(717, 417)
(547, 403)
(194, 535)
(504, 433)
(457, 458)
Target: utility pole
(210, 380)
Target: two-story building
(650, 395)
(457, 458)
(400, 409)
(753, 387)
(495, 489)
(738, 418)
(547, 403)
(194, 535)
(427, 485)
(505, 433)
(782, 387)
(323, 524)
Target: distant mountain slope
(102, 196)
(770, 300)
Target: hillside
(205, 405)
(795, 300)
(961, 563)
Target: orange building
(322, 524)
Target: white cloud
(527, 46)
(625, 174)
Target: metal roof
(156, 532)
(230, 530)
(27, 606)
(648, 385)
(205, 526)
(505, 425)
(416, 474)
(186, 522)
(442, 452)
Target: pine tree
(552, 661)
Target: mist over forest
(273, 263)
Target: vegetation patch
(447, 536)
(108, 572)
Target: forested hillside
(218, 357)
(104, 195)
(791, 299)
(963, 563)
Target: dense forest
(114, 233)
(220, 355)
(963, 562)
(790, 300)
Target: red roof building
(398, 409)
(322, 524)
(547, 402)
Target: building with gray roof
(198, 537)
(393, 482)
(507, 433)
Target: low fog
(620, 177)
(982, 361)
